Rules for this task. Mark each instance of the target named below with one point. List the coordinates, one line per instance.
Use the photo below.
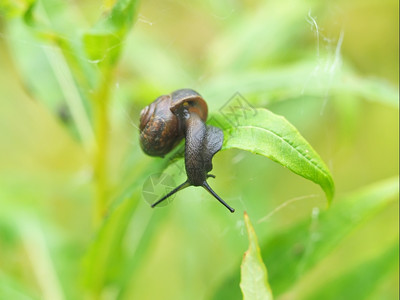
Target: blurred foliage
(74, 77)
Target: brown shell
(195, 102)
(160, 128)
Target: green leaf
(11, 9)
(103, 42)
(360, 281)
(254, 277)
(262, 132)
(106, 247)
(371, 89)
(303, 78)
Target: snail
(169, 119)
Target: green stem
(101, 119)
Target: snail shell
(161, 122)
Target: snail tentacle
(175, 190)
(211, 191)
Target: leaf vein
(288, 142)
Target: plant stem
(101, 119)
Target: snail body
(169, 119)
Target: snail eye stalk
(210, 190)
(175, 190)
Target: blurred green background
(74, 77)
